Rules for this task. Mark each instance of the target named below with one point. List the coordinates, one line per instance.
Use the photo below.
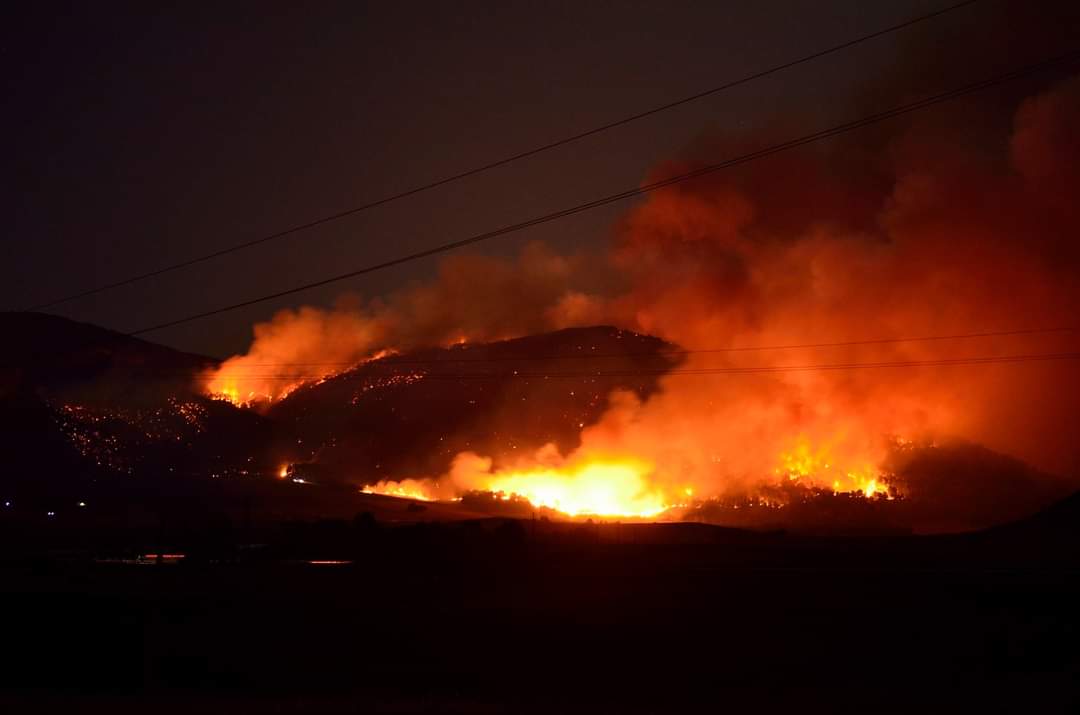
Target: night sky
(141, 135)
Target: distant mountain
(81, 405)
(960, 486)
(66, 356)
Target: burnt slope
(81, 405)
(410, 414)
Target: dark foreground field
(499, 616)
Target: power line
(402, 360)
(641, 190)
(732, 370)
(500, 162)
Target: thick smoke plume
(473, 298)
(929, 237)
(803, 250)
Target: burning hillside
(616, 486)
(782, 335)
(412, 413)
(825, 307)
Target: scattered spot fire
(116, 438)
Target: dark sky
(139, 135)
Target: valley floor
(509, 623)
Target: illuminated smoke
(932, 237)
(473, 298)
(295, 347)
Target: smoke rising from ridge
(930, 236)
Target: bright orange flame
(226, 389)
(406, 489)
(602, 488)
(246, 385)
(819, 467)
(625, 485)
(592, 487)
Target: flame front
(295, 348)
(601, 488)
(406, 489)
(594, 487)
(628, 486)
(818, 467)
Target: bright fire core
(627, 487)
(600, 488)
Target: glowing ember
(116, 437)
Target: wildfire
(295, 348)
(595, 487)
(601, 488)
(224, 382)
(807, 311)
(406, 489)
(229, 392)
(629, 486)
(817, 467)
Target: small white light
(51, 513)
(82, 503)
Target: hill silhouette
(410, 414)
(90, 415)
(84, 360)
(84, 411)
